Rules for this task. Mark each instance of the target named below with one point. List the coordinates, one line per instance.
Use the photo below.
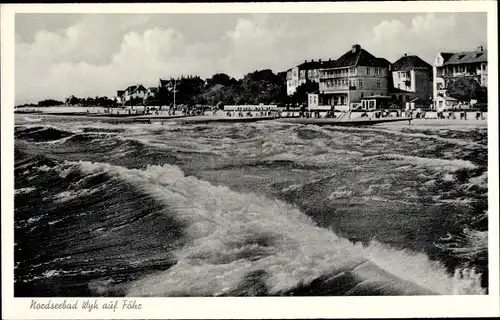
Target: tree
(465, 89)
(49, 103)
(300, 94)
(263, 86)
(220, 78)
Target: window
(368, 70)
(309, 73)
(362, 95)
(399, 75)
(399, 85)
(360, 83)
(378, 83)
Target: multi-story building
(411, 79)
(355, 75)
(307, 71)
(452, 66)
(133, 92)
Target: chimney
(356, 48)
(312, 60)
(406, 55)
(480, 48)
(319, 60)
(305, 61)
(329, 59)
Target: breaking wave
(124, 216)
(232, 236)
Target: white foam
(417, 134)
(24, 190)
(433, 163)
(231, 234)
(481, 181)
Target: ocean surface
(256, 209)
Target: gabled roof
(360, 57)
(135, 88)
(131, 89)
(465, 57)
(408, 63)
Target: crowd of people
(250, 112)
(478, 115)
(302, 112)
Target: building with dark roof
(353, 76)
(411, 79)
(307, 71)
(132, 92)
(452, 66)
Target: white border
(246, 308)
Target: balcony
(330, 74)
(334, 88)
(459, 74)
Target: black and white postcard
(306, 160)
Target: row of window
(376, 71)
(350, 71)
(403, 75)
(464, 68)
(352, 82)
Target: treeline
(262, 86)
(42, 103)
(91, 102)
(73, 101)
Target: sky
(57, 55)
